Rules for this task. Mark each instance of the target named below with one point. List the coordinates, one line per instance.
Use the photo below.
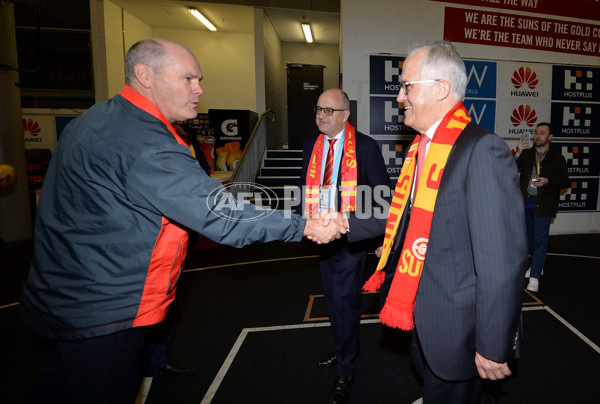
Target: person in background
(111, 229)
(457, 229)
(543, 173)
(334, 164)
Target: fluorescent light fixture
(307, 33)
(202, 19)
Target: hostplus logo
(578, 158)
(391, 74)
(578, 83)
(524, 80)
(577, 120)
(391, 110)
(576, 196)
(393, 156)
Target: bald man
(110, 240)
(355, 162)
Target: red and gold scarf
(348, 172)
(400, 303)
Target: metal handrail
(252, 157)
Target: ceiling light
(202, 19)
(307, 33)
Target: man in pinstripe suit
(468, 302)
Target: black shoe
(341, 390)
(176, 369)
(327, 360)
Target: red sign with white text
(585, 9)
(517, 31)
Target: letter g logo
(230, 127)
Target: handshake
(326, 226)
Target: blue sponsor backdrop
(575, 119)
(483, 112)
(575, 83)
(393, 150)
(583, 195)
(481, 78)
(582, 158)
(574, 112)
(385, 74)
(387, 118)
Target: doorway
(304, 86)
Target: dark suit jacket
(371, 171)
(470, 292)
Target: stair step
(283, 162)
(279, 203)
(284, 154)
(281, 192)
(273, 181)
(280, 172)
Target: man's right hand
(523, 144)
(322, 230)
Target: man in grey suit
(468, 292)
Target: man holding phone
(543, 173)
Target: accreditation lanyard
(538, 161)
(330, 198)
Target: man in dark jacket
(542, 173)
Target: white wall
(227, 64)
(226, 59)
(273, 77)
(394, 26)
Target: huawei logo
(31, 127)
(523, 114)
(524, 76)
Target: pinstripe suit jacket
(470, 293)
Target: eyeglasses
(405, 84)
(327, 111)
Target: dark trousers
(342, 274)
(538, 229)
(101, 370)
(158, 343)
(440, 391)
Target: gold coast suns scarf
(400, 303)
(348, 172)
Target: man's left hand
(541, 182)
(488, 369)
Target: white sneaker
(419, 401)
(529, 270)
(533, 285)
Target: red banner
(585, 9)
(517, 31)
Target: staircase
(281, 168)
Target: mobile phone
(526, 137)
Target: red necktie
(329, 163)
(421, 158)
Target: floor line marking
(575, 255)
(249, 262)
(574, 330)
(212, 390)
(316, 256)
